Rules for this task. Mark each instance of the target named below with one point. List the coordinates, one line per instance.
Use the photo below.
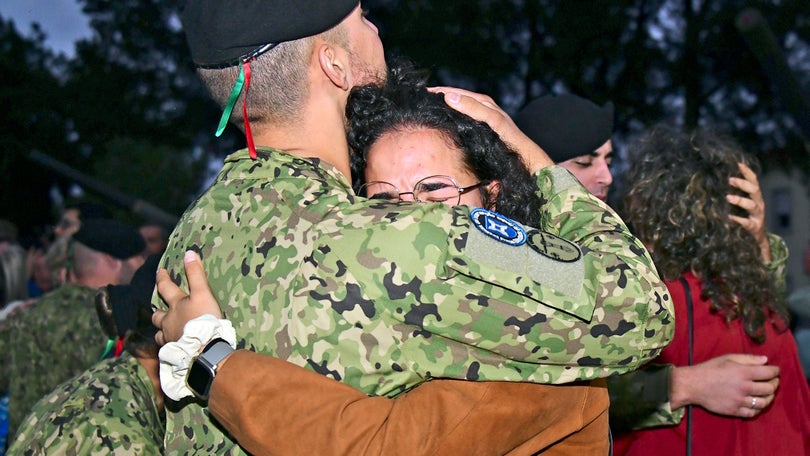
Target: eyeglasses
(432, 189)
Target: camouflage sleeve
(577, 300)
(47, 350)
(640, 399)
(596, 271)
(109, 409)
(632, 307)
(778, 264)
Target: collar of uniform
(280, 158)
(74, 288)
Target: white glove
(176, 357)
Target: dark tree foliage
(126, 110)
(141, 115)
(32, 118)
(681, 61)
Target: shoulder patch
(498, 227)
(552, 246)
(556, 264)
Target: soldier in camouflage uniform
(116, 406)
(384, 296)
(110, 408)
(58, 336)
(438, 417)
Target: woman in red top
(726, 300)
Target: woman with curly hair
(405, 138)
(725, 298)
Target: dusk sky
(62, 20)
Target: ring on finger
(754, 402)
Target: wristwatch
(204, 367)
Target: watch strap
(215, 352)
(203, 367)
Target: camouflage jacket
(384, 295)
(640, 399)
(108, 409)
(46, 343)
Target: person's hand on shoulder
(734, 385)
(183, 307)
(484, 109)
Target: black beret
(89, 210)
(220, 33)
(566, 126)
(112, 237)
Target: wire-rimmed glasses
(431, 189)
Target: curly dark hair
(676, 203)
(403, 102)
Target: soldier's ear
(334, 64)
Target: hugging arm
(274, 407)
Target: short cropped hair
(279, 80)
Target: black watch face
(199, 379)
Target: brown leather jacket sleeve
(273, 407)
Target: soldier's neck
(319, 132)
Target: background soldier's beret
(112, 237)
(222, 32)
(566, 126)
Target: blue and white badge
(498, 227)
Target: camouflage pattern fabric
(110, 409)
(385, 295)
(640, 396)
(46, 343)
(778, 263)
(625, 390)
